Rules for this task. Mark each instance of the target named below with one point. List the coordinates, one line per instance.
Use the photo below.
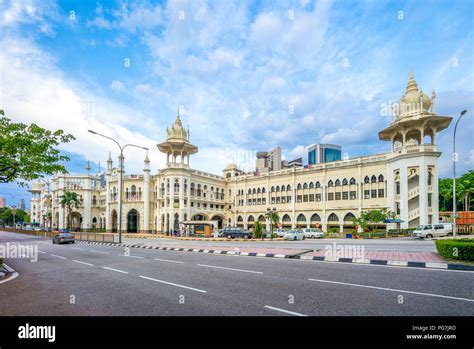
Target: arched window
(366, 179)
(315, 218)
(254, 191)
(301, 218)
(286, 218)
(240, 219)
(298, 187)
(330, 183)
(318, 185)
(338, 182)
(349, 217)
(288, 187)
(373, 179)
(305, 186)
(333, 218)
(311, 185)
(380, 178)
(250, 191)
(251, 219)
(352, 181)
(263, 191)
(258, 191)
(272, 189)
(94, 200)
(344, 181)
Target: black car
(231, 233)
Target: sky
(246, 75)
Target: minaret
(88, 168)
(146, 195)
(433, 102)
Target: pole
(455, 159)
(120, 195)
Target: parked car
(232, 233)
(63, 231)
(280, 232)
(433, 230)
(294, 234)
(313, 233)
(63, 238)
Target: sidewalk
(426, 257)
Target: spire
(88, 167)
(147, 160)
(411, 86)
(110, 158)
(178, 120)
(433, 100)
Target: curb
(180, 249)
(13, 273)
(427, 265)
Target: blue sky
(246, 75)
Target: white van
(433, 230)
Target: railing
(415, 213)
(413, 193)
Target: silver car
(313, 233)
(433, 230)
(294, 234)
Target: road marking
(172, 284)
(54, 255)
(117, 270)
(167, 260)
(394, 290)
(41, 251)
(132, 256)
(233, 269)
(77, 248)
(89, 264)
(284, 311)
(99, 252)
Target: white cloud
(117, 85)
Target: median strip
(172, 284)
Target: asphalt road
(83, 279)
(408, 244)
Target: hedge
(461, 249)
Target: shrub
(461, 249)
(1, 262)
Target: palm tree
(68, 200)
(257, 229)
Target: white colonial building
(404, 180)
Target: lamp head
(93, 132)
(463, 112)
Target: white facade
(404, 180)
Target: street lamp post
(455, 159)
(120, 177)
(269, 214)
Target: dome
(177, 130)
(413, 98)
(231, 166)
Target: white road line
(117, 270)
(77, 248)
(131, 256)
(233, 269)
(167, 260)
(41, 251)
(284, 311)
(54, 255)
(394, 290)
(99, 252)
(172, 284)
(89, 264)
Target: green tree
(465, 189)
(69, 200)
(370, 220)
(257, 230)
(28, 152)
(6, 216)
(445, 194)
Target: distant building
(294, 163)
(322, 153)
(268, 160)
(3, 202)
(21, 204)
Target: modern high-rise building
(21, 204)
(322, 153)
(3, 202)
(268, 160)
